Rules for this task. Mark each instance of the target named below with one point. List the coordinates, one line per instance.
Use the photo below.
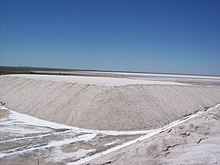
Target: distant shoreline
(22, 69)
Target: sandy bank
(127, 107)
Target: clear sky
(176, 36)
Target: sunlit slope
(126, 107)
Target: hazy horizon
(123, 71)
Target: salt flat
(28, 140)
(101, 81)
(116, 106)
(196, 141)
(107, 120)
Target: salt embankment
(104, 103)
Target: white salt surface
(84, 138)
(144, 137)
(100, 81)
(23, 118)
(167, 75)
(87, 137)
(104, 107)
(59, 155)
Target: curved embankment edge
(149, 134)
(117, 108)
(145, 134)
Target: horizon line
(100, 70)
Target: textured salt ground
(196, 141)
(100, 107)
(28, 140)
(60, 144)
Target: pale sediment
(128, 107)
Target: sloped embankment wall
(130, 107)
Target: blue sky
(170, 36)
